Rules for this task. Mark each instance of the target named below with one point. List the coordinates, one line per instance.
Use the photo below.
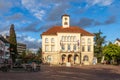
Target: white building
(117, 41)
(62, 44)
(21, 48)
(4, 48)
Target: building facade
(117, 41)
(21, 48)
(63, 44)
(4, 49)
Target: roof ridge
(72, 29)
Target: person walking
(34, 66)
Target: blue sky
(32, 17)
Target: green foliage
(112, 51)
(13, 43)
(39, 53)
(23, 55)
(99, 41)
(28, 56)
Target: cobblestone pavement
(97, 72)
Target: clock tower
(65, 21)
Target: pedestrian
(34, 66)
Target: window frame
(52, 48)
(69, 48)
(46, 48)
(85, 58)
(74, 47)
(83, 48)
(89, 48)
(52, 40)
(63, 47)
(83, 41)
(46, 40)
(89, 41)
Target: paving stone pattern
(97, 72)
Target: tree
(39, 53)
(112, 51)
(99, 41)
(13, 43)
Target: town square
(99, 72)
(59, 40)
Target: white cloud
(30, 39)
(39, 14)
(107, 2)
(6, 32)
(33, 50)
(34, 7)
(39, 40)
(32, 43)
(100, 2)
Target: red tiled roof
(72, 29)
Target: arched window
(85, 58)
(46, 40)
(52, 40)
(49, 58)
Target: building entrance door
(63, 58)
(70, 58)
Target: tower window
(65, 18)
(65, 23)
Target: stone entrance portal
(63, 58)
(70, 58)
(76, 59)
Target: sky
(32, 17)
